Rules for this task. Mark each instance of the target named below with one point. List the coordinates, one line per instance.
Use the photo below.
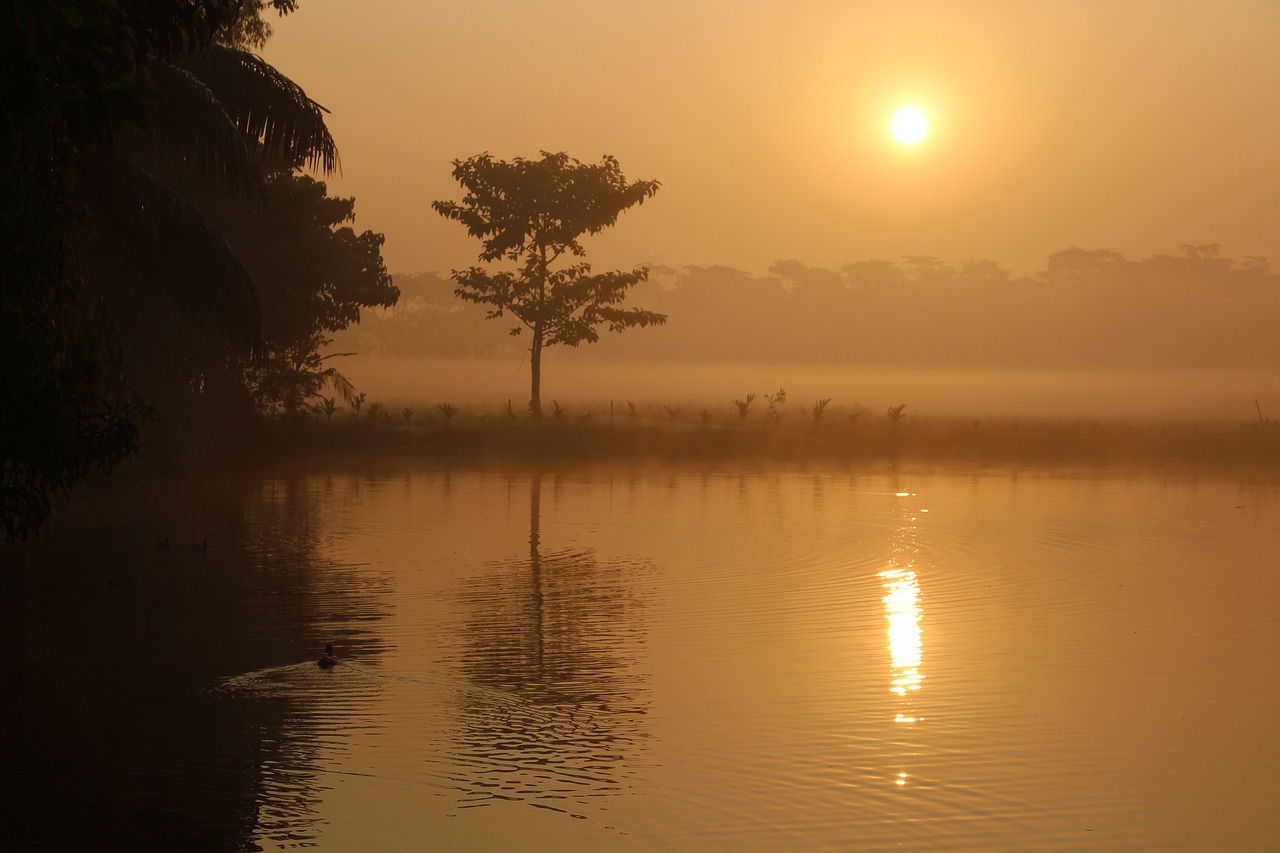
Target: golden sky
(1117, 124)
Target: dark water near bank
(648, 660)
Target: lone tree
(533, 212)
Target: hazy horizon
(1128, 128)
(1131, 127)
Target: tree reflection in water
(562, 631)
(116, 733)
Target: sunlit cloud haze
(1131, 126)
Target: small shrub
(774, 414)
(327, 407)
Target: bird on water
(327, 660)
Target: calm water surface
(650, 661)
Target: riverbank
(1213, 445)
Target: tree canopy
(109, 269)
(534, 213)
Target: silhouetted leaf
(145, 237)
(267, 106)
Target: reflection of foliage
(559, 630)
(558, 633)
(238, 768)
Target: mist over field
(584, 384)
(1093, 335)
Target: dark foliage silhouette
(96, 94)
(534, 213)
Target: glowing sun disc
(909, 125)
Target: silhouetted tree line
(161, 251)
(1086, 308)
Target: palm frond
(267, 106)
(190, 125)
(143, 239)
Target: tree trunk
(535, 364)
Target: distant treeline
(1086, 308)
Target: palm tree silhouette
(222, 114)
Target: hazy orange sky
(1125, 125)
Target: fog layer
(1094, 334)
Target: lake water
(649, 660)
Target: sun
(909, 125)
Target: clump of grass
(818, 409)
(448, 412)
(744, 406)
(774, 413)
(327, 407)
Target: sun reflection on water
(903, 612)
(902, 609)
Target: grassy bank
(799, 442)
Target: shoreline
(1191, 445)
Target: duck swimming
(327, 660)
